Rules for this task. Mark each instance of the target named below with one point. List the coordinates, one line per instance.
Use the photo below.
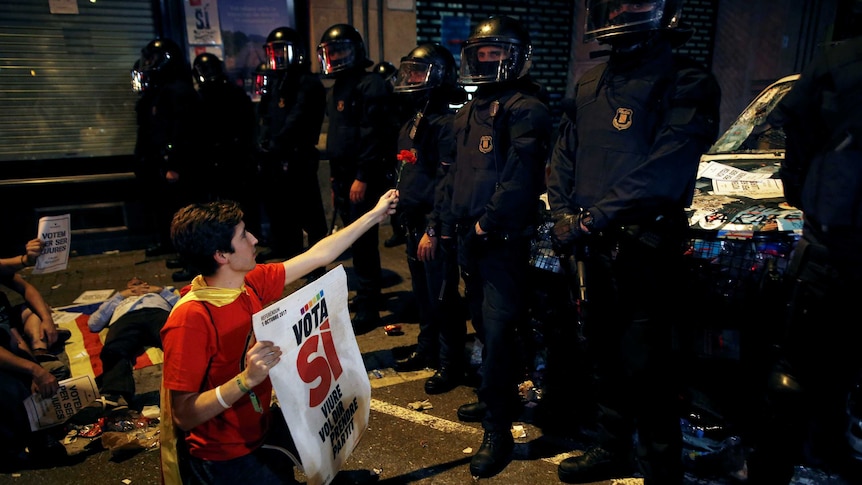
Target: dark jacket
(630, 142)
(433, 144)
(502, 138)
(359, 127)
(292, 115)
(822, 169)
(168, 128)
(227, 115)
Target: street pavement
(400, 446)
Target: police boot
(611, 458)
(660, 463)
(595, 465)
(472, 412)
(494, 454)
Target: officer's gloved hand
(474, 244)
(567, 228)
(447, 244)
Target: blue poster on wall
(244, 26)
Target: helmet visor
(490, 62)
(207, 72)
(137, 81)
(154, 60)
(279, 55)
(415, 76)
(261, 83)
(609, 18)
(336, 56)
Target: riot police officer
(227, 117)
(357, 146)
(811, 419)
(502, 137)
(291, 114)
(621, 173)
(426, 83)
(167, 136)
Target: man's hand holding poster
(320, 382)
(56, 235)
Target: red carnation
(405, 157)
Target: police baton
(574, 267)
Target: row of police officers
(619, 172)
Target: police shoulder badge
(623, 119)
(486, 144)
(340, 105)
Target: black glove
(447, 244)
(474, 244)
(567, 229)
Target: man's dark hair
(199, 230)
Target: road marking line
(433, 422)
(445, 425)
(389, 377)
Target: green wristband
(241, 385)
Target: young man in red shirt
(215, 376)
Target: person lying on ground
(134, 317)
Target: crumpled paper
(421, 405)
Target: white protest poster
(74, 394)
(93, 296)
(56, 234)
(202, 22)
(754, 189)
(321, 381)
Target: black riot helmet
(628, 22)
(426, 67)
(208, 69)
(341, 48)
(284, 48)
(162, 61)
(498, 50)
(385, 69)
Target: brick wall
(760, 41)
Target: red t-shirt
(192, 341)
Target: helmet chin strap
(417, 119)
(628, 44)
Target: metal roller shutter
(64, 78)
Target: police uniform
(167, 137)
(627, 156)
(442, 327)
(227, 114)
(291, 116)
(501, 136)
(356, 144)
(822, 175)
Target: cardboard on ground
(93, 296)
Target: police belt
(464, 227)
(654, 234)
